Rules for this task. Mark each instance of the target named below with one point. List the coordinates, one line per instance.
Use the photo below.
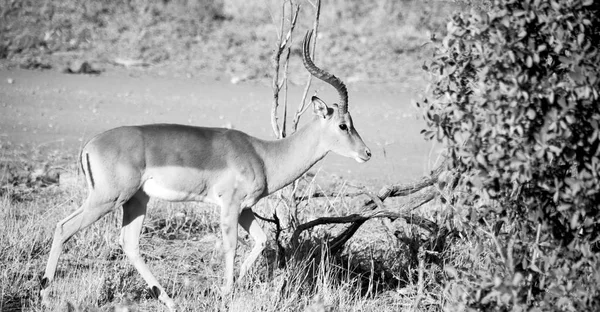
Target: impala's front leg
(229, 222)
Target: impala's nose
(365, 156)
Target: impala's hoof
(163, 297)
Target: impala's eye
(343, 127)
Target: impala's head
(337, 125)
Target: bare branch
(321, 193)
(336, 244)
(283, 44)
(288, 39)
(265, 218)
(411, 188)
(303, 107)
(275, 63)
(374, 208)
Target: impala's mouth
(364, 156)
(362, 159)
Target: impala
(126, 166)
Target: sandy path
(65, 110)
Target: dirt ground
(61, 111)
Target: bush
(515, 101)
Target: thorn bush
(515, 101)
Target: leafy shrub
(515, 100)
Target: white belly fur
(155, 189)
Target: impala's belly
(155, 189)
(176, 184)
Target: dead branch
(394, 190)
(411, 188)
(374, 208)
(337, 243)
(364, 216)
(302, 107)
(286, 65)
(320, 193)
(282, 44)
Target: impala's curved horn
(323, 75)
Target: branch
(302, 107)
(276, 86)
(411, 188)
(336, 244)
(320, 193)
(373, 208)
(285, 70)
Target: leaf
(580, 39)
(563, 301)
(551, 97)
(535, 268)
(481, 159)
(517, 278)
(450, 271)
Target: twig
(533, 260)
(275, 83)
(303, 107)
(420, 281)
(283, 44)
(322, 193)
(285, 70)
(281, 261)
(265, 218)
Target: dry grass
(181, 244)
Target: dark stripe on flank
(89, 168)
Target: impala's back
(169, 161)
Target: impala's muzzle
(364, 155)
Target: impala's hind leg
(134, 212)
(250, 224)
(87, 214)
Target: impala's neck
(287, 159)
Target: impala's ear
(320, 108)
